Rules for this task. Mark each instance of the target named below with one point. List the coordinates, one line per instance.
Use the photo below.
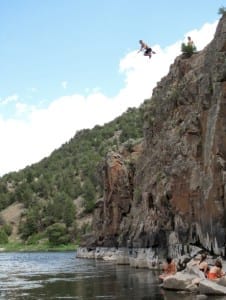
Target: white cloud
(26, 142)
(9, 99)
(21, 108)
(64, 84)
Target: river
(60, 275)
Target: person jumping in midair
(147, 50)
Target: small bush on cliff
(222, 11)
(188, 50)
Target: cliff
(170, 191)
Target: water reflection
(62, 276)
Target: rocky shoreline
(184, 280)
(139, 258)
(135, 257)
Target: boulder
(222, 281)
(194, 270)
(210, 287)
(180, 281)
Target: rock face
(174, 192)
(118, 192)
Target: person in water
(147, 50)
(169, 268)
(216, 271)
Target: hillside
(60, 192)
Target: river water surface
(60, 275)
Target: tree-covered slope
(49, 189)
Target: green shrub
(89, 195)
(7, 228)
(188, 50)
(3, 237)
(222, 10)
(31, 224)
(57, 234)
(34, 239)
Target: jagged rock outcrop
(176, 195)
(118, 175)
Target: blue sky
(61, 57)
